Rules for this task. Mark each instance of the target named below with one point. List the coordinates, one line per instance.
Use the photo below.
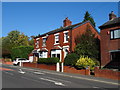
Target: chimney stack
(112, 15)
(66, 22)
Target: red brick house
(110, 42)
(59, 42)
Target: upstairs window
(115, 34)
(57, 38)
(37, 43)
(66, 37)
(44, 42)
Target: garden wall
(41, 66)
(105, 73)
(9, 63)
(6, 61)
(69, 69)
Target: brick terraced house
(60, 42)
(110, 42)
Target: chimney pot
(112, 15)
(66, 22)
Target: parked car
(18, 60)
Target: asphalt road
(18, 77)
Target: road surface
(21, 77)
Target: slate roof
(61, 29)
(111, 23)
(64, 28)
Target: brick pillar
(87, 71)
(96, 70)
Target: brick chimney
(112, 15)
(66, 22)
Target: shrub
(21, 52)
(52, 60)
(97, 63)
(71, 59)
(84, 62)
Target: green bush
(21, 52)
(71, 59)
(84, 62)
(52, 60)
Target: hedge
(52, 60)
(21, 52)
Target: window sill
(66, 42)
(56, 43)
(43, 46)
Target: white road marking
(9, 73)
(38, 73)
(55, 82)
(20, 71)
(79, 77)
(84, 78)
(95, 87)
(59, 79)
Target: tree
(88, 45)
(13, 39)
(16, 39)
(88, 17)
(5, 47)
(71, 59)
(31, 41)
(21, 52)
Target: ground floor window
(43, 54)
(115, 56)
(56, 53)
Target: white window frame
(44, 42)
(37, 42)
(115, 34)
(57, 34)
(56, 52)
(44, 54)
(64, 48)
(65, 36)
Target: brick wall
(107, 45)
(69, 69)
(48, 67)
(105, 73)
(33, 65)
(41, 66)
(81, 30)
(9, 62)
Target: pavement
(21, 77)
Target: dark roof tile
(65, 28)
(115, 21)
